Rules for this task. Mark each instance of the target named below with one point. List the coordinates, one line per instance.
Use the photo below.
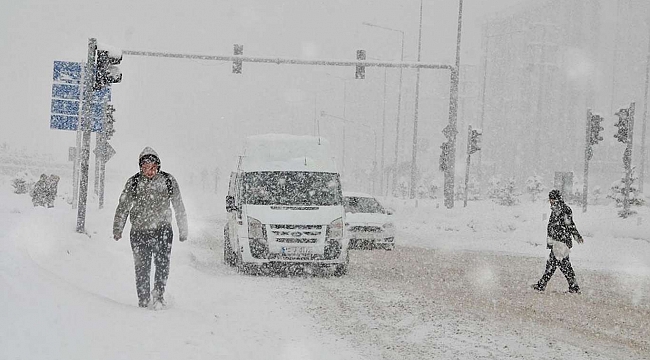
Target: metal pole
(75, 168)
(85, 152)
(415, 115)
(469, 135)
(540, 95)
(397, 122)
(374, 165)
(485, 70)
(645, 121)
(627, 161)
(585, 188)
(101, 153)
(102, 166)
(345, 91)
(383, 138)
(97, 164)
(453, 112)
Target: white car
(369, 224)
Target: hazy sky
(198, 110)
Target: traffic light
(444, 155)
(361, 69)
(594, 129)
(108, 122)
(236, 64)
(475, 141)
(622, 125)
(107, 73)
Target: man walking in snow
(560, 232)
(146, 199)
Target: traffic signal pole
(89, 80)
(453, 98)
(469, 141)
(627, 161)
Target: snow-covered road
(415, 303)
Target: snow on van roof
(283, 152)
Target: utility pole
(645, 120)
(383, 138)
(89, 80)
(453, 113)
(415, 118)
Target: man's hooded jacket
(147, 201)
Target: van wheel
(227, 250)
(342, 269)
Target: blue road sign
(64, 122)
(65, 91)
(67, 72)
(66, 95)
(66, 98)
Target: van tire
(227, 250)
(342, 269)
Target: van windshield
(291, 188)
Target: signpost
(66, 98)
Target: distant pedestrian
(146, 200)
(52, 189)
(40, 191)
(561, 231)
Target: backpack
(168, 181)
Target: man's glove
(578, 239)
(117, 236)
(182, 238)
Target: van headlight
(255, 229)
(335, 229)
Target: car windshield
(355, 204)
(292, 188)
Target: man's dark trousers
(565, 266)
(145, 244)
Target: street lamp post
(374, 164)
(399, 104)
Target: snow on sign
(66, 98)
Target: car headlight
(255, 229)
(388, 226)
(335, 229)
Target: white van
(285, 205)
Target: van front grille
(301, 234)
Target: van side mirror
(230, 203)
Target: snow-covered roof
(283, 152)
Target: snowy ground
(455, 287)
